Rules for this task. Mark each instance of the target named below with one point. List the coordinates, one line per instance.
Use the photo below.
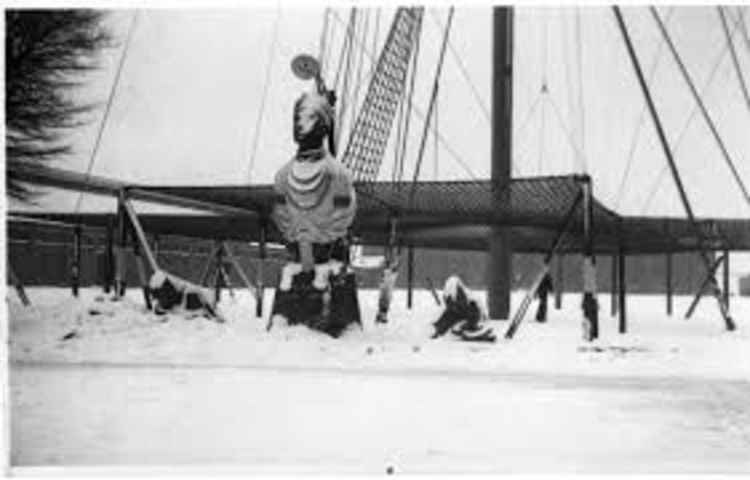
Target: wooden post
(409, 277)
(725, 286)
(670, 287)
(75, 271)
(500, 265)
(622, 292)
(559, 282)
(613, 285)
(260, 287)
(18, 285)
(120, 259)
(109, 257)
(590, 303)
(219, 280)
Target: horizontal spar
(65, 179)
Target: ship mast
(500, 265)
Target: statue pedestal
(330, 307)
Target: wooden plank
(140, 235)
(18, 285)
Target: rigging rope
(680, 137)
(419, 113)
(581, 103)
(344, 97)
(741, 16)
(369, 137)
(108, 107)
(735, 61)
(641, 118)
(266, 83)
(699, 102)
(464, 72)
(543, 92)
(433, 97)
(568, 134)
(409, 99)
(322, 56)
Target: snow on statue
(314, 207)
(463, 315)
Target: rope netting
(366, 147)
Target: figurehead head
(313, 120)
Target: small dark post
(259, 283)
(590, 304)
(613, 285)
(219, 280)
(559, 287)
(622, 291)
(122, 239)
(669, 285)
(725, 286)
(109, 256)
(409, 276)
(75, 277)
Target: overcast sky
(186, 108)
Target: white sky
(186, 107)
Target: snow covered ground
(130, 388)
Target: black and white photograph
(374, 238)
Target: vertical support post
(409, 276)
(670, 287)
(75, 271)
(109, 257)
(622, 292)
(262, 254)
(559, 286)
(137, 252)
(500, 265)
(120, 259)
(613, 289)
(590, 304)
(725, 283)
(219, 279)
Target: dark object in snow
(94, 312)
(170, 293)
(389, 470)
(462, 315)
(370, 350)
(70, 335)
(545, 287)
(330, 309)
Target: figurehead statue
(315, 203)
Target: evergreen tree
(47, 56)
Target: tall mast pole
(500, 248)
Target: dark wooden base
(306, 305)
